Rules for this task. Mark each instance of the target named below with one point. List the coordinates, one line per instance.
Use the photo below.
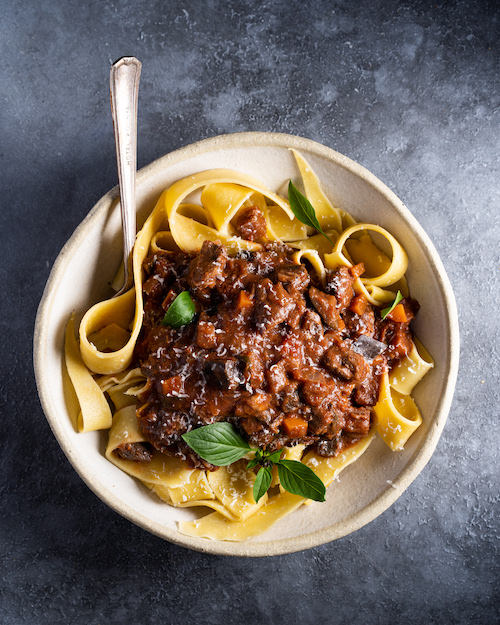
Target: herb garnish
(262, 483)
(303, 209)
(221, 445)
(387, 311)
(180, 312)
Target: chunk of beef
(223, 372)
(276, 378)
(272, 305)
(330, 448)
(325, 422)
(366, 393)
(398, 338)
(254, 369)
(345, 363)
(206, 336)
(258, 433)
(311, 323)
(359, 325)
(207, 268)
(138, 452)
(152, 286)
(290, 398)
(326, 305)
(358, 421)
(339, 283)
(294, 277)
(253, 406)
(161, 427)
(400, 345)
(251, 224)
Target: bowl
(89, 260)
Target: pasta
(102, 365)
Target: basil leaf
(219, 443)
(303, 209)
(299, 479)
(275, 456)
(180, 312)
(387, 311)
(262, 483)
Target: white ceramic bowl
(88, 261)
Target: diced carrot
(358, 304)
(244, 300)
(398, 314)
(294, 427)
(171, 386)
(357, 270)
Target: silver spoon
(124, 89)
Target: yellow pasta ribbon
(95, 413)
(223, 202)
(409, 371)
(160, 470)
(315, 259)
(397, 415)
(281, 228)
(398, 264)
(327, 215)
(173, 197)
(216, 527)
(327, 469)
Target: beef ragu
(272, 351)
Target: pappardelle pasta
(242, 312)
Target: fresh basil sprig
(303, 209)
(180, 312)
(299, 479)
(387, 311)
(221, 445)
(262, 483)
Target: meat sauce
(270, 350)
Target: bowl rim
(304, 541)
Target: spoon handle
(124, 89)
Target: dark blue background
(408, 89)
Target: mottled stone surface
(408, 89)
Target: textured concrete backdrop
(408, 89)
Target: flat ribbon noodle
(281, 228)
(409, 371)
(391, 275)
(229, 491)
(317, 242)
(396, 269)
(328, 216)
(160, 470)
(95, 413)
(397, 415)
(217, 527)
(121, 309)
(315, 259)
(223, 202)
(173, 197)
(233, 487)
